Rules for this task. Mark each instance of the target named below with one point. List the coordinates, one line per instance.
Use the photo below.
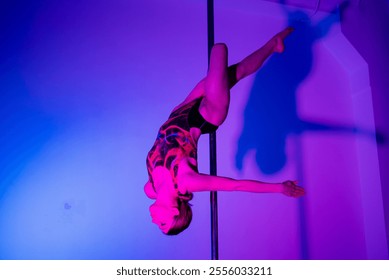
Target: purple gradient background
(85, 86)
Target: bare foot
(279, 39)
(279, 46)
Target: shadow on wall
(271, 111)
(271, 114)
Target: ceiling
(324, 5)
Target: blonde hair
(183, 219)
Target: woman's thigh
(215, 103)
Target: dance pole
(212, 145)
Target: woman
(172, 161)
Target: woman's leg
(254, 61)
(216, 100)
(221, 78)
(214, 88)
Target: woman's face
(163, 216)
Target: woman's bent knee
(220, 48)
(218, 63)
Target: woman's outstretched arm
(196, 182)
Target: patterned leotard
(174, 141)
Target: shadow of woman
(271, 111)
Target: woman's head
(183, 219)
(172, 219)
(163, 215)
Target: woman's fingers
(292, 189)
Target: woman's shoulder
(187, 167)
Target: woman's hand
(290, 188)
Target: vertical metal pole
(212, 145)
(301, 202)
